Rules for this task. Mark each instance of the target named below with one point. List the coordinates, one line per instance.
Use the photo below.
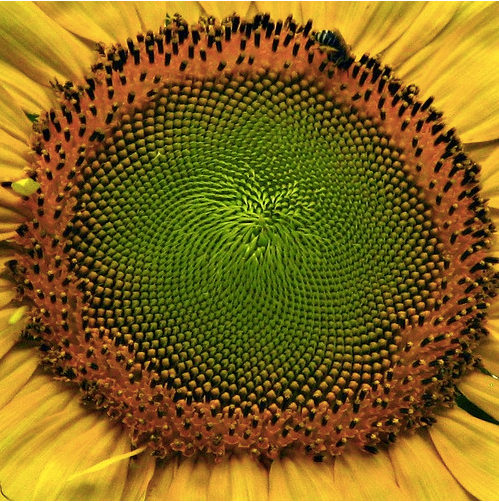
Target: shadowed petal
(482, 390)
(31, 40)
(470, 448)
(429, 480)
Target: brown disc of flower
(245, 238)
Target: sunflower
(144, 404)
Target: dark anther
(415, 108)
(168, 58)
(363, 78)
(150, 55)
(296, 46)
(427, 104)
(275, 43)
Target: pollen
(243, 237)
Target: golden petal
(353, 483)
(7, 292)
(280, 10)
(490, 178)
(470, 448)
(9, 331)
(429, 478)
(482, 390)
(139, 475)
(218, 9)
(300, 478)
(9, 221)
(459, 64)
(14, 124)
(489, 348)
(238, 477)
(249, 478)
(48, 436)
(16, 368)
(33, 42)
(116, 21)
(162, 478)
(29, 95)
(398, 31)
(191, 480)
(480, 152)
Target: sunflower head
(241, 237)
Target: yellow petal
(489, 348)
(483, 391)
(11, 160)
(31, 96)
(31, 41)
(9, 333)
(280, 10)
(48, 436)
(363, 476)
(14, 123)
(191, 480)
(107, 22)
(480, 153)
(16, 368)
(401, 30)
(429, 478)
(218, 9)
(470, 448)
(249, 478)
(490, 178)
(300, 478)
(140, 472)
(162, 478)
(463, 79)
(238, 477)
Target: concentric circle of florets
(244, 238)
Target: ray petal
(164, 472)
(31, 41)
(431, 480)
(469, 447)
(191, 480)
(300, 478)
(350, 477)
(471, 68)
(482, 390)
(115, 20)
(489, 348)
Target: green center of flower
(274, 249)
(262, 244)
